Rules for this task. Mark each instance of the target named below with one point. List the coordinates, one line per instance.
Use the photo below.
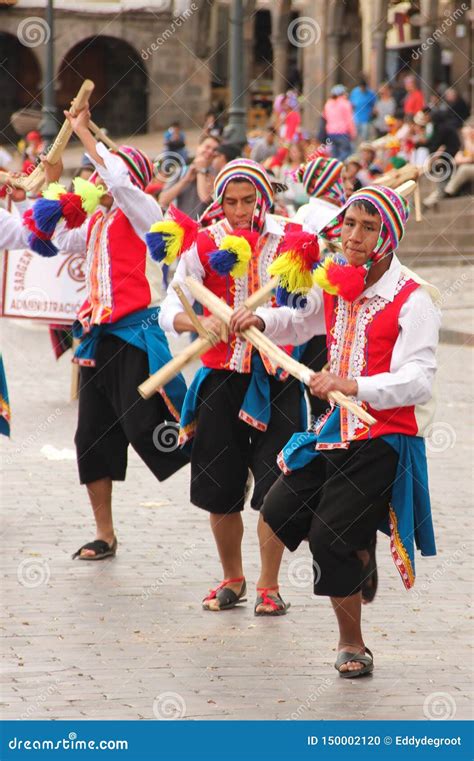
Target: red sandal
(279, 607)
(226, 598)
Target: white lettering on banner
(36, 287)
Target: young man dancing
(345, 480)
(237, 409)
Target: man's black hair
(367, 206)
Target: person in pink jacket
(340, 125)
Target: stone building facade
(158, 60)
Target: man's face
(360, 232)
(239, 203)
(218, 162)
(206, 149)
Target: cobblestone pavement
(127, 639)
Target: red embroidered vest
(237, 353)
(361, 337)
(115, 270)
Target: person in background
(384, 106)
(349, 175)
(464, 162)
(339, 119)
(292, 123)
(175, 140)
(192, 191)
(454, 107)
(363, 101)
(443, 144)
(222, 155)
(212, 125)
(415, 100)
(265, 147)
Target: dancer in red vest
(239, 410)
(344, 480)
(122, 342)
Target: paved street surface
(127, 639)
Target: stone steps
(444, 237)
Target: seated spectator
(222, 155)
(212, 125)
(463, 162)
(349, 175)
(456, 109)
(265, 147)
(443, 144)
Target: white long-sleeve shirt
(13, 234)
(139, 207)
(413, 362)
(315, 214)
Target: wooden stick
(222, 310)
(33, 182)
(417, 199)
(198, 347)
(198, 326)
(105, 139)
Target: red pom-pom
(349, 280)
(250, 236)
(305, 246)
(189, 226)
(73, 213)
(29, 222)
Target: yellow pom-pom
(172, 238)
(320, 277)
(90, 194)
(54, 191)
(294, 276)
(241, 248)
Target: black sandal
(102, 550)
(270, 596)
(226, 597)
(371, 577)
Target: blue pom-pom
(156, 243)
(47, 214)
(42, 247)
(222, 261)
(282, 296)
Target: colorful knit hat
(321, 178)
(244, 169)
(349, 281)
(140, 167)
